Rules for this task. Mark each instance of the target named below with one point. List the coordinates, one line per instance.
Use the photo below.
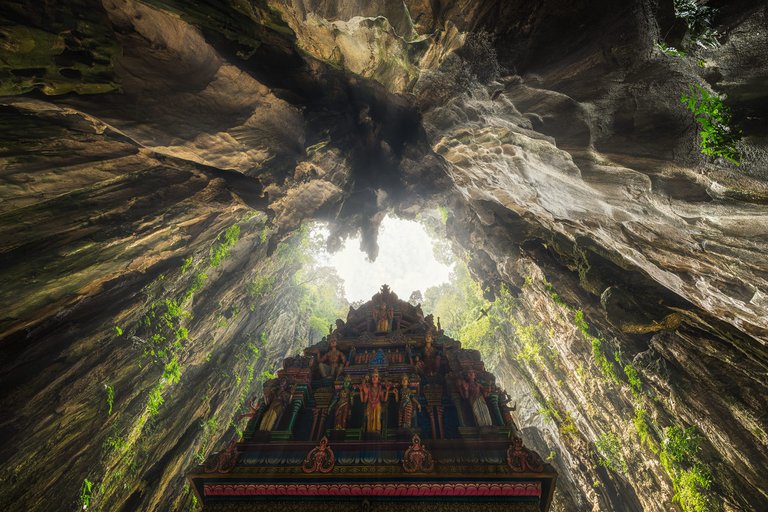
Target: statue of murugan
(373, 393)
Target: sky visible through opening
(406, 261)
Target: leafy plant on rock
(611, 457)
(718, 139)
(691, 479)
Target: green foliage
(473, 333)
(118, 331)
(610, 453)
(172, 372)
(635, 384)
(680, 445)
(267, 375)
(581, 323)
(531, 346)
(115, 443)
(86, 494)
(259, 286)
(692, 486)
(698, 18)
(568, 427)
(691, 479)
(554, 295)
(197, 285)
(718, 139)
(670, 50)
(601, 360)
(224, 244)
(643, 429)
(550, 411)
(155, 400)
(185, 266)
(443, 211)
(110, 391)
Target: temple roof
(385, 407)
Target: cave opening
(410, 258)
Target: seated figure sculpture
(333, 361)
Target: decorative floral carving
(521, 459)
(320, 459)
(417, 458)
(224, 461)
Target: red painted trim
(377, 489)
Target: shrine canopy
(385, 413)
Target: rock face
(154, 155)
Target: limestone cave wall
(158, 156)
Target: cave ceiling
(133, 134)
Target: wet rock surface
(135, 136)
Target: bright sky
(405, 262)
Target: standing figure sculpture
(276, 399)
(343, 401)
(372, 394)
(408, 402)
(383, 315)
(333, 361)
(475, 394)
(431, 359)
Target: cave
(598, 170)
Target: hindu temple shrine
(385, 413)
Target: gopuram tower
(385, 413)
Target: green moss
(110, 392)
(644, 430)
(554, 295)
(635, 384)
(224, 245)
(611, 457)
(260, 286)
(69, 55)
(187, 263)
(598, 354)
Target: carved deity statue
(408, 402)
(373, 393)
(431, 360)
(475, 394)
(383, 316)
(343, 401)
(506, 410)
(333, 361)
(276, 399)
